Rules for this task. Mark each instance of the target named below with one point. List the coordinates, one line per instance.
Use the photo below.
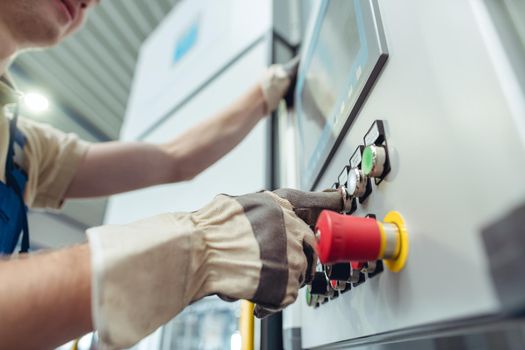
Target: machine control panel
(350, 247)
(447, 94)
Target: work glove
(278, 82)
(307, 206)
(252, 247)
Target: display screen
(327, 75)
(337, 62)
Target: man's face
(42, 23)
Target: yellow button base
(397, 264)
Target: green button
(367, 162)
(308, 297)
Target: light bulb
(36, 102)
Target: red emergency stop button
(347, 238)
(344, 238)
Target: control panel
(416, 141)
(353, 249)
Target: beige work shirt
(50, 157)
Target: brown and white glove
(250, 247)
(276, 83)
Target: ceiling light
(36, 102)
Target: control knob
(357, 182)
(344, 238)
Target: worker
(128, 280)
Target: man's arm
(115, 167)
(45, 299)
(168, 262)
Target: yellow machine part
(246, 325)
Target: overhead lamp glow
(36, 102)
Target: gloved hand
(307, 206)
(250, 247)
(277, 82)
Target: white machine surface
(454, 116)
(205, 55)
(194, 43)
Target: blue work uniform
(13, 211)
(40, 163)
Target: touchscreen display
(328, 71)
(333, 55)
(342, 51)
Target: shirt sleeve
(51, 160)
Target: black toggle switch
(319, 284)
(339, 272)
(374, 268)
